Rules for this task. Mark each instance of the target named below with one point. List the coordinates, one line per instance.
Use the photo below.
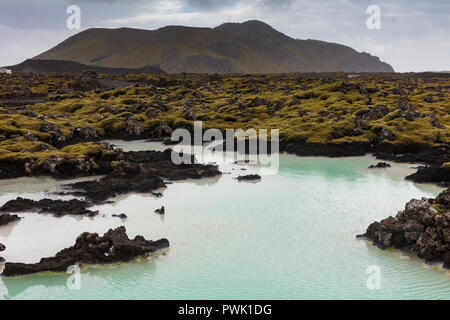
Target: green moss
(22, 149)
(303, 107)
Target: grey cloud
(412, 37)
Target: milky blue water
(290, 236)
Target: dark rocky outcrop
(6, 218)
(423, 227)
(431, 174)
(90, 248)
(249, 177)
(121, 216)
(162, 210)
(59, 167)
(141, 172)
(101, 190)
(302, 148)
(2, 248)
(380, 165)
(56, 207)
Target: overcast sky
(414, 34)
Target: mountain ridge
(62, 66)
(249, 47)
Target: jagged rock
(121, 216)
(380, 165)
(422, 227)
(189, 114)
(29, 167)
(412, 114)
(443, 198)
(124, 168)
(403, 102)
(114, 246)
(2, 248)
(161, 210)
(158, 104)
(57, 136)
(51, 163)
(55, 207)
(373, 113)
(141, 172)
(134, 127)
(161, 131)
(86, 132)
(86, 165)
(431, 174)
(361, 126)
(153, 113)
(6, 218)
(412, 225)
(384, 134)
(250, 177)
(436, 123)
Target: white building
(3, 70)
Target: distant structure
(3, 70)
(351, 76)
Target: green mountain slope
(249, 47)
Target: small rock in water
(242, 161)
(160, 211)
(380, 165)
(121, 216)
(157, 194)
(90, 248)
(6, 218)
(249, 177)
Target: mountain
(249, 47)
(62, 66)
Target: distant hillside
(249, 47)
(61, 66)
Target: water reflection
(92, 280)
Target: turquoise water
(290, 236)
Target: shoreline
(388, 171)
